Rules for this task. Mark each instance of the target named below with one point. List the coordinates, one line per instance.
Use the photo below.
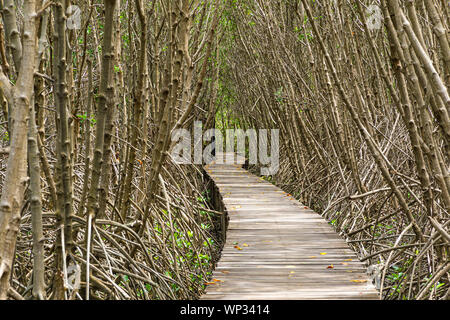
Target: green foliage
(279, 95)
(83, 118)
(190, 253)
(301, 34)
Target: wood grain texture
(276, 248)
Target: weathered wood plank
(277, 248)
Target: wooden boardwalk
(276, 248)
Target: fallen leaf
(359, 280)
(344, 263)
(237, 247)
(312, 257)
(323, 253)
(330, 266)
(225, 271)
(209, 283)
(245, 245)
(348, 259)
(217, 280)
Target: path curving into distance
(276, 248)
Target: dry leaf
(245, 245)
(217, 280)
(209, 283)
(348, 259)
(330, 266)
(312, 257)
(237, 247)
(323, 253)
(359, 280)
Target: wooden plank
(284, 249)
